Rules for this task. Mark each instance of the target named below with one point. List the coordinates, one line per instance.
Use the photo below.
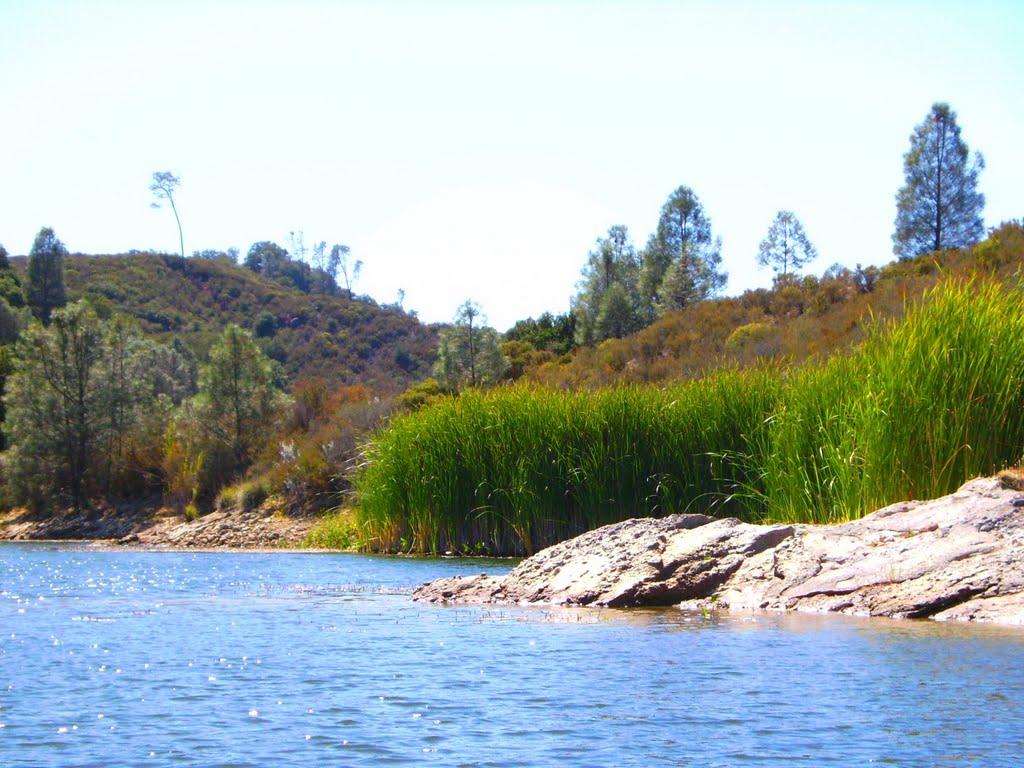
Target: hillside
(797, 319)
(312, 335)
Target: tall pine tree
(940, 205)
(682, 260)
(46, 291)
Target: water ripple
(217, 659)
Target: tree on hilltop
(786, 246)
(939, 206)
(682, 260)
(163, 186)
(46, 290)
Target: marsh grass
(921, 406)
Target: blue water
(245, 659)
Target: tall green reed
(923, 405)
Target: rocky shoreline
(960, 557)
(153, 526)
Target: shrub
(752, 340)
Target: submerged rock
(958, 557)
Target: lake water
(247, 659)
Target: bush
(244, 496)
(266, 326)
(335, 530)
(752, 340)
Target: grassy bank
(919, 407)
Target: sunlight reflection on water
(156, 658)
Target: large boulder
(958, 557)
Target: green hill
(340, 339)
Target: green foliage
(265, 326)
(11, 323)
(335, 530)
(237, 402)
(521, 355)
(751, 339)
(518, 468)
(608, 302)
(83, 413)
(923, 405)
(218, 434)
(10, 285)
(469, 353)
(939, 206)
(46, 291)
(681, 263)
(291, 270)
(424, 393)
(266, 258)
(230, 256)
(548, 333)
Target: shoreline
(957, 558)
(148, 524)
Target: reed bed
(920, 407)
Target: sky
(478, 149)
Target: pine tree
(469, 353)
(940, 205)
(612, 267)
(46, 291)
(786, 246)
(682, 260)
(237, 400)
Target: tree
(469, 353)
(616, 315)
(266, 257)
(10, 323)
(681, 263)
(163, 186)
(612, 267)
(128, 399)
(10, 285)
(84, 409)
(338, 264)
(551, 333)
(46, 291)
(939, 206)
(53, 403)
(273, 261)
(237, 401)
(786, 246)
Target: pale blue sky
(477, 149)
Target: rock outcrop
(958, 557)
